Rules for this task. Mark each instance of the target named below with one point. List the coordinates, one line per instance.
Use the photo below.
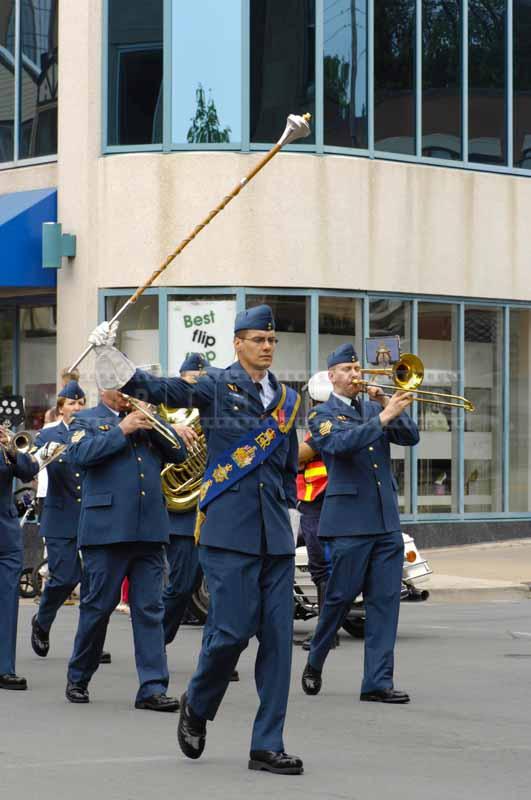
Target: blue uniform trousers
(318, 563)
(249, 596)
(10, 572)
(64, 566)
(183, 562)
(372, 564)
(106, 566)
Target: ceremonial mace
(296, 128)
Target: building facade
(405, 213)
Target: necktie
(355, 403)
(260, 390)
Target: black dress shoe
(12, 681)
(77, 693)
(158, 702)
(40, 640)
(105, 657)
(385, 696)
(235, 677)
(279, 763)
(191, 731)
(311, 680)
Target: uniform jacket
(62, 504)
(361, 493)
(252, 515)
(182, 524)
(122, 498)
(25, 468)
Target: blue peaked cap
(343, 354)
(192, 362)
(259, 318)
(72, 391)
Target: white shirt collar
(346, 400)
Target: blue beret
(193, 361)
(259, 318)
(72, 391)
(343, 354)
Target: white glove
(104, 334)
(46, 451)
(295, 519)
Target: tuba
(181, 483)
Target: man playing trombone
(360, 520)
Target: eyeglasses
(261, 340)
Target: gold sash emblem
(243, 456)
(204, 489)
(265, 438)
(221, 473)
(325, 428)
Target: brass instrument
(407, 374)
(181, 483)
(157, 425)
(21, 441)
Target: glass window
(282, 65)
(37, 362)
(437, 451)
(207, 71)
(522, 83)
(138, 335)
(340, 320)
(486, 79)
(393, 318)
(135, 72)
(519, 412)
(345, 73)
(201, 324)
(38, 109)
(7, 344)
(291, 361)
(394, 76)
(483, 429)
(441, 79)
(7, 80)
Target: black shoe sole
(77, 701)
(106, 660)
(263, 767)
(168, 709)
(39, 652)
(14, 688)
(397, 701)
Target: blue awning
(21, 218)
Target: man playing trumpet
(360, 520)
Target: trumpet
(407, 374)
(156, 423)
(21, 441)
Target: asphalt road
(467, 733)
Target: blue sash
(252, 450)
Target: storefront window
(37, 362)
(201, 324)
(437, 451)
(340, 320)
(393, 318)
(135, 72)
(483, 429)
(207, 71)
(519, 411)
(7, 339)
(282, 65)
(7, 80)
(38, 113)
(522, 83)
(138, 335)
(345, 73)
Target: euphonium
(181, 482)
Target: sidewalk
(493, 572)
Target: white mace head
(296, 128)
(319, 387)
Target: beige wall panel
(22, 179)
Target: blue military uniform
(59, 520)
(122, 529)
(246, 545)
(25, 468)
(360, 520)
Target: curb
(480, 594)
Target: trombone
(156, 423)
(407, 374)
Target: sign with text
(200, 326)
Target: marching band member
(13, 464)
(246, 541)
(59, 519)
(122, 529)
(360, 520)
